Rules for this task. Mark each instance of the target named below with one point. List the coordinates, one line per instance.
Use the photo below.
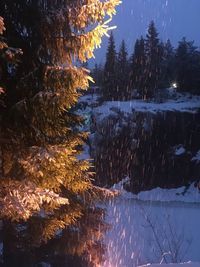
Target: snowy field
(149, 229)
(184, 264)
(185, 103)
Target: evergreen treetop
(122, 55)
(153, 60)
(109, 82)
(40, 141)
(138, 66)
(122, 72)
(111, 54)
(187, 66)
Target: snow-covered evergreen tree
(40, 171)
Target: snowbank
(188, 103)
(184, 264)
(89, 98)
(181, 194)
(179, 150)
(196, 157)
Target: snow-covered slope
(181, 194)
(185, 103)
(184, 264)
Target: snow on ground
(183, 264)
(191, 194)
(179, 150)
(181, 194)
(89, 98)
(196, 157)
(154, 226)
(157, 226)
(145, 231)
(186, 103)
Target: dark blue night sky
(174, 19)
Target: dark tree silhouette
(109, 83)
(122, 72)
(138, 66)
(97, 74)
(167, 66)
(187, 66)
(153, 61)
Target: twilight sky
(174, 19)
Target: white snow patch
(183, 264)
(196, 157)
(132, 241)
(181, 194)
(179, 150)
(191, 195)
(122, 191)
(90, 98)
(188, 103)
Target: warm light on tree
(40, 171)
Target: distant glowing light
(174, 85)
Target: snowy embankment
(184, 264)
(196, 158)
(184, 103)
(189, 194)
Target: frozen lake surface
(151, 232)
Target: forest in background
(153, 65)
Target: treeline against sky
(153, 65)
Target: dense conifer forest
(153, 65)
